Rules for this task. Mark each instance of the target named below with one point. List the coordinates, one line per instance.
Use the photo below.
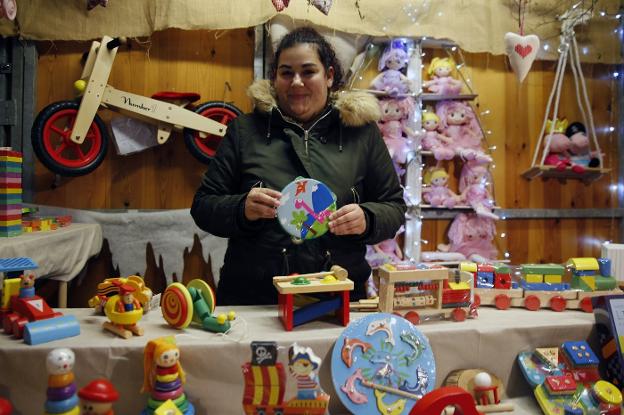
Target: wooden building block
(583, 264)
(553, 279)
(533, 278)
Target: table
(213, 361)
(60, 254)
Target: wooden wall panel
(167, 176)
(164, 177)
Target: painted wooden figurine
(163, 376)
(304, 365)
(97, 398)
(265, 382)
(124, 312)
(27, 286)
(61, 392)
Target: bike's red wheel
(53, 146)
(205, 148)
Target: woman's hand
(261, 203)
(348, 220)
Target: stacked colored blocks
(168, 386)
(10, 193)
(543, 273)
(590, 274)
(61, 394)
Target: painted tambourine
(382, 364)
(305, 208)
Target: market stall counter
(214, 381)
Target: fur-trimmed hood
(355, 108)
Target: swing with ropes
(590, 166)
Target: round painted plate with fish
(382, 364)
(305, 208)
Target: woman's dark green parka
(342, 149)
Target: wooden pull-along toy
(196, 302)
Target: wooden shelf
(383, 94)
(550, 172)
(457, 207)
(436, 97)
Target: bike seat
(176, 96)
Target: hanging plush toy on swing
(567, 154)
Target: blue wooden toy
(305, 208)
(382, 364)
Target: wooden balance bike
(70, 139)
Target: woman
(298, 129)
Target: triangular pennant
(522, 51)
(322, 5)
(280, 4)
(37, 304)
(549, 355)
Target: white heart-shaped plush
(521, 51)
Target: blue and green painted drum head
(305, 208)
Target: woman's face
(301, 82)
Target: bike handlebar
(116, 42)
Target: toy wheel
(412, 317)
(207, 293)
(502, 302)
(7, 322)
(557, 303)
(586, 305)
(477, 300)
(177, 306)
(18, 327)
(532, 302)
(205, 148)
(52, 144)
(458, 314)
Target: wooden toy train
(535, 286)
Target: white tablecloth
(213, 362)
(60, 254)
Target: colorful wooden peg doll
(61, 392)
(124, 312)
(97, 398)
(163, 376)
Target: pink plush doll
(437, 193)
(385, 252)
(440, 145)
(395, 115)
(441, 80)
(473, 185)
(391, 80)
(472, 236)
(559, 147)
(580, 152)
(458, 121)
